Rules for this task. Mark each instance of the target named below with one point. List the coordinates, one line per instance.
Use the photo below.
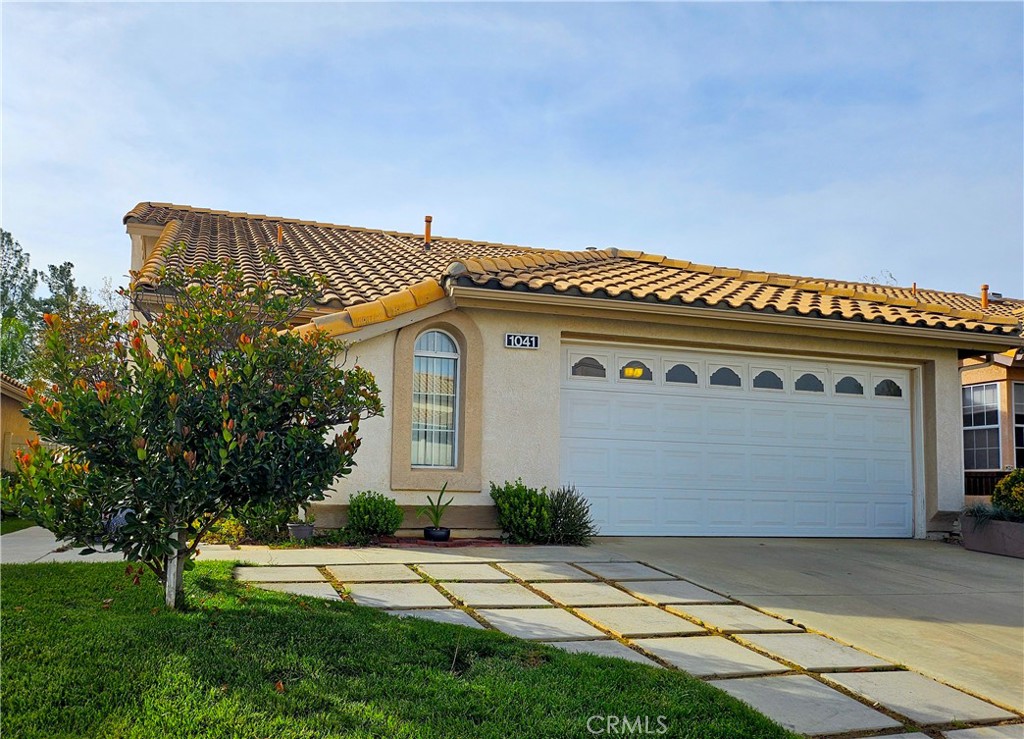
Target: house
(993, 416)
(14, 426)
(682, 399)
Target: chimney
(984, 297)
(426, 231)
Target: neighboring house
(13, 425)
(680, 398)
(993, 416)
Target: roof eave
(467, 297)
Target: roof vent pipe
(280, 234)
(984, 297)
(426, 231)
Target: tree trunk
(174, 568)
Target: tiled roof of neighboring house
(13, 387)
(373, 275)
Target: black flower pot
(439, 534)
(300, 531)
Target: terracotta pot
(994, 537)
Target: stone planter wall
(994, 537)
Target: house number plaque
(522, 341)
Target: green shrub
(524, 514)
(372, 515)
(264, 523)
(1009, 493)
(571, 522)
(229, 530)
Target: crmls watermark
(636, 725)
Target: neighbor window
(435, 406)
(1018, 422)
(981, 427)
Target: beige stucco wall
(14, 428)
(520, 427)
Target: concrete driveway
(951, 614)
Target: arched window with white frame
(435, 400)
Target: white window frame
(996, 426)
(456, 416)
(1017, 386)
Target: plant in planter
(998, 528)
(434, 510)
(301, 529)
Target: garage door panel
(726, 423)
(664, 458)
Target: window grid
(435, 400)
(981, 427)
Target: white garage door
(685, 443)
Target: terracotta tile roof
(653, 278)
(374, 275)
(13, 387)
(360, 264)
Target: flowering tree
(202, 405)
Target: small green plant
(1009, 493)
(571, 522)
(983, 513)
(264, 523)
(228, 530)
(434, 510)
(371, 515)
(524, 513)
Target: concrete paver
(586, 594)
(607, 648)
(949, 613)
(373, 573)
(803, 705)
(733, 619)
(441, 615)
(279, 574)
(628, 621)
(709, 656)
(813, 652)
(1009, 731)
(922, 700)
(494, 594)
(545, 571)
(539, 624)
(308, 589)
(466, 572)
(662, 592)
(398, 595)
(625, 571)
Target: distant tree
(22, 310)
(197, 409)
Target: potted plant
(434, 510)
(301, 529)
(997, 528)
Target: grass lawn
(8, 525)
(250, 663)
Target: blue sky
(834, 140)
